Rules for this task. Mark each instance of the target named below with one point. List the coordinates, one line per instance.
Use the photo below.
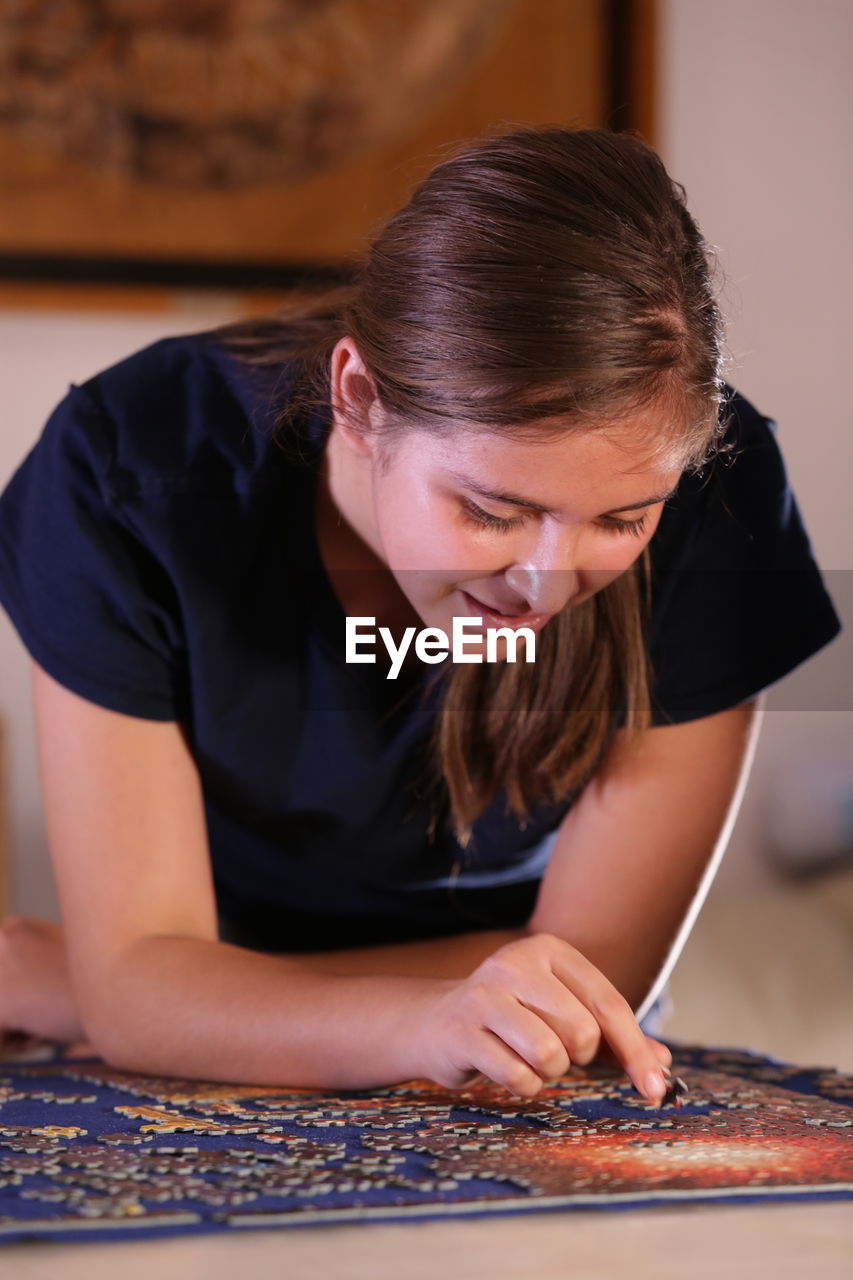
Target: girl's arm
(637, 853)
(631, 866)
(155, 989)
(157, 992)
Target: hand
(530, 1010)
(35, 987)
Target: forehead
(621, 462)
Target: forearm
(636, 854)
(452, 957)
(208, 1010)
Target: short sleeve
(737, 598)
(91, 603)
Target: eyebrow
(515, 501)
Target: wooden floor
(767, 969)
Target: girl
(276, 866)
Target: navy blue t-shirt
(158, 557)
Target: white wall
(757, 110)
(757, 116)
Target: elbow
(118, 1043)
(111, 1022)
(138, 1017)
(128, 1008)
(107, 1034)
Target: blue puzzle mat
(87, 1151)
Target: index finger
(614, 1016)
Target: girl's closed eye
(487, 521)
(503, 523)
(615, 525)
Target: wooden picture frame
(580, 62)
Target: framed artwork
(247, 145)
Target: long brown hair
(534, 276)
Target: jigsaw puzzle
(86, 1150)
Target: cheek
(605, 561)
(601, 565)
(421, 529)
(401, 509)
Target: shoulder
(738, 600)
(740, 503)
(750, 466)
(180, 412)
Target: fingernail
(655, 1086)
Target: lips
(504, 612)
(498, 617)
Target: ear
(354, 397)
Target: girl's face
(523, 527)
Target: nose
(548, 575)
(544, 580)
(544, 590)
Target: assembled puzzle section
(88, 1150)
